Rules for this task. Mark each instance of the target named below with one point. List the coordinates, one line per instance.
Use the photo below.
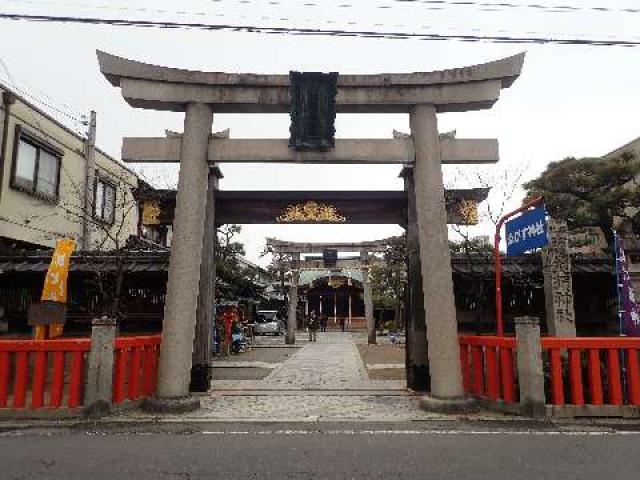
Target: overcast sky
(569, 101)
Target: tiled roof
(157, 260)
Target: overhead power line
(60, 109)
(332, 24)
(531, 6)
(486, 6)
(321, 32)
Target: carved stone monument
(558, 285)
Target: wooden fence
(51, 374)
(582, 371)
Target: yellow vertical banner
(55, 283)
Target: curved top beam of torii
(453, 90)
(284, 246)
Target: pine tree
(591, 191)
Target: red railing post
(120, 375)
(595, 378)
(493, 387)
(633, 376)
(20, 383)
(575, 376)
(75, 381)
(4, 378)
(464, 365)
(134, 373)
(154, 369)
(557, 383)
(506, 369)
(57, 380)
(37, 384)
(615, 384)
(478, 370)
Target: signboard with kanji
(527, 232)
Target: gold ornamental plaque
(311, 212)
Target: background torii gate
(200, 94)
(297, 248)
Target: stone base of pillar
(98, 409)
(171, 405)
(200, 378)
(537, 410)
(290, 339)
(449, 405)
(418, 378)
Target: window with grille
(104, 205)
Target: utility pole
(89, 175)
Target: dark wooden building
(22, 276)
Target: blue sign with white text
(526, 232)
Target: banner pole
(616, 246)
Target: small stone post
(292, 320)
(368, 300)
(558, 284)
(530, 373)
(99, 386)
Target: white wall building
(45, 170)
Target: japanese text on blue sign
(526, 232)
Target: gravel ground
(383, 354)
(269, 355)
(373, 354)
(387, 374)
(240, 373)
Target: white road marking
(568, 433)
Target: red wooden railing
(50, 374)
(596, 371)
(488, 366)
(578, 371)
(36, 369)
(136, 367)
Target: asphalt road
(444, 450)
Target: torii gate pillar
(439, 302)
(184, 269)
(292, 316)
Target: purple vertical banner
(629, 309)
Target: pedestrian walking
(323, 323)
(313, 323)
(342, 323)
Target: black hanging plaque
(329, 257)
(313, 110)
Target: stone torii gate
(200, 94)
(295, 249)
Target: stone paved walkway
(322, 381)
(331, 363)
